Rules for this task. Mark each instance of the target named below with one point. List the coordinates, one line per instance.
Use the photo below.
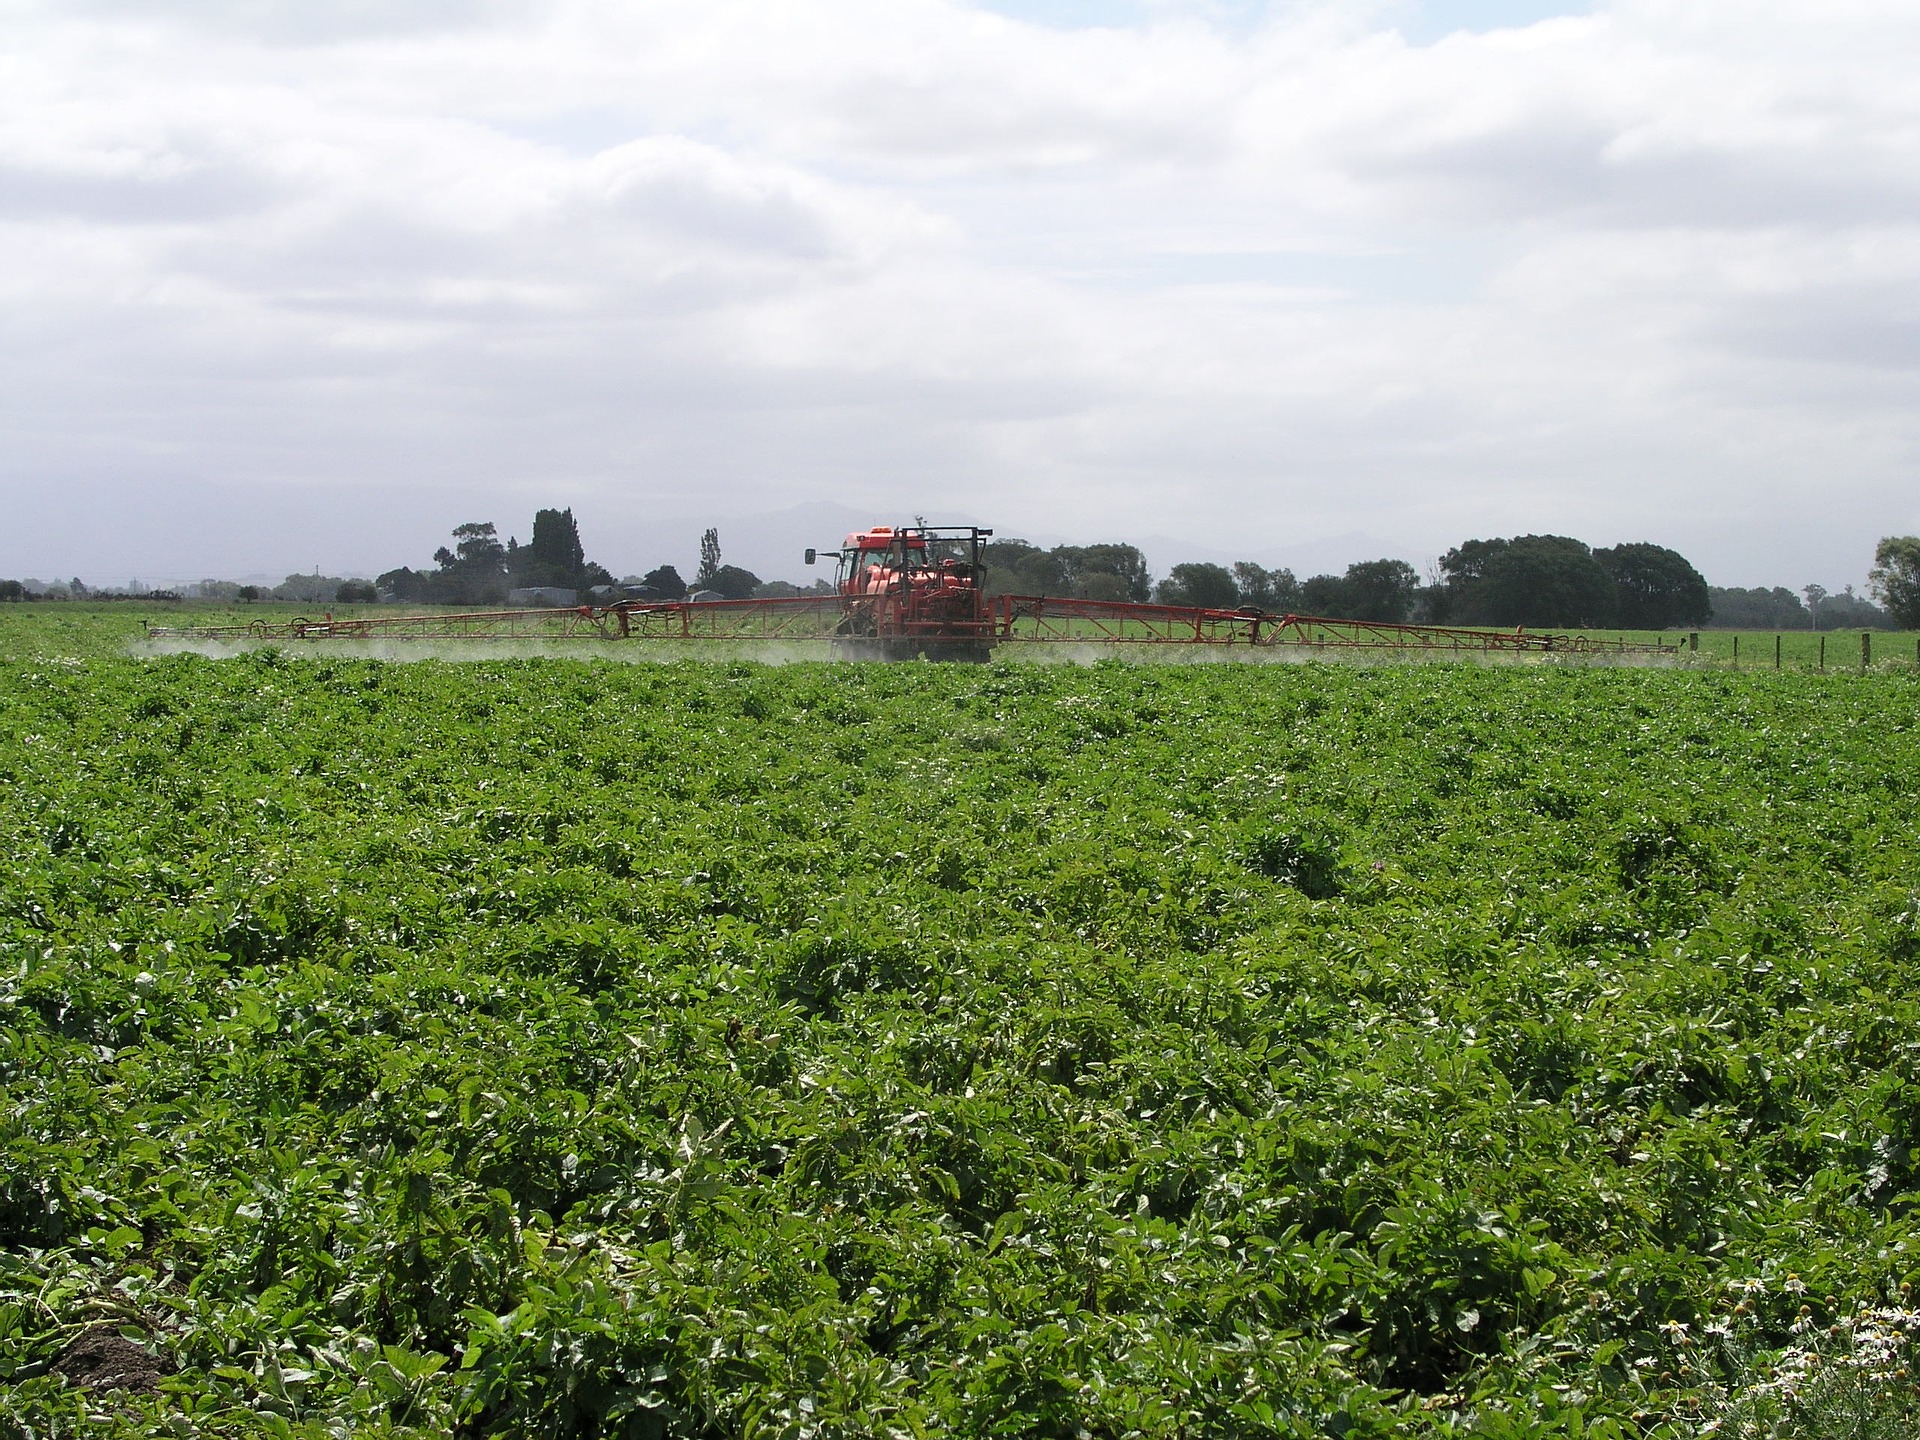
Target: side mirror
(812, 555)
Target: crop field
(704, 1049)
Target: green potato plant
(566, 1048)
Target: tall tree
(709, 571)
(554, 556)
(665, 582)
(1528, 580)
(1756, 609)
(1657, 588)
(1017, 567)
(1198, 583)
(405, 583)
(1324, 595)
(1105, 572)
(1274, 590)
(1848, 611)
(1895, 579)
(474, 571)
(476, 543)
(733, 583)
(1380, 590)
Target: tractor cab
(879, 560)
(895, 560)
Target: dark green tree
(13, 592)
(733, 582)
(1757, 609)
(1324, 595)
(1104, 572)
(1528, 580)
(308, 589)
(1198, 583)
(477, 543)
(1848, 611)
(1382, 590)
(665, 582)
(1017, 567)
(1272, 590)
(554, 556)
(1657, 588)
(709, 571)
(474, 572)
(1895, 579)
(404, 584)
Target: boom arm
(1007, 620)
(1045, 619)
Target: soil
(102, 1359)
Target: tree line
(1813, 608)
(1538, 580)
(478, 570)
(1525, 580)
(1557, 581)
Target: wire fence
(1799, 650)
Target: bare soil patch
(101, 1359)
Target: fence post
(1866, 648)
(1736, 652)
(1693, 640)
(1776, 652)
(1823, 650)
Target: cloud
(1636, 273)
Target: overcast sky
(286, 285)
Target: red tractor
(911, 591)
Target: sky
(287, 286)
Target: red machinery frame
(1008, 620)
(1112, 622)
